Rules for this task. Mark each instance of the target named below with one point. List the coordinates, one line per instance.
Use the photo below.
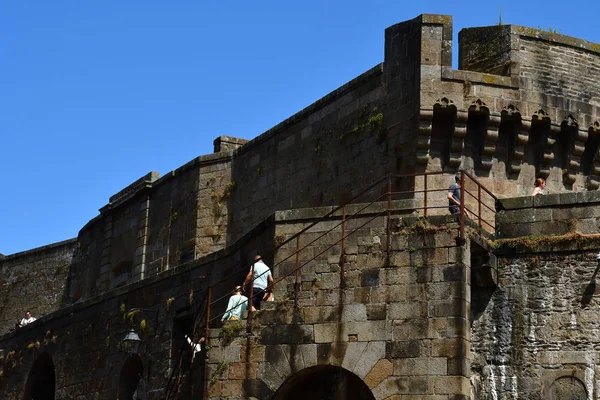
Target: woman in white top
(238, 303)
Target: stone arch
(568, 388)
(565, 385)
(366, 360)
(131, 376)
(324, 382)
(41, 381)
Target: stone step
(267, 305)
(216, 332)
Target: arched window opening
(131, 375)
(41, 380)
(324, 382)
(538, 139)
(477, 126)
(444, 117)
(591, 151)
(565, 144)
(508, 132)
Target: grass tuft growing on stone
(537, 243)
(230, 331)
(222, 367)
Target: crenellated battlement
(523, 104)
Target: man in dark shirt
(454, 194)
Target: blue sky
(93, 95)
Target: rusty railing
(428, 200)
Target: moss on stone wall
(542, 243)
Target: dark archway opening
(591, 150)
(508, 131)
(564, 145)
(536, 145)
(442, 131)
(189, 361)
(41, 380)
(131, 375)
(477, 126)
(484, 280)
(324, 382)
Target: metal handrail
(304, 230)
(479, 184)
(297, 252)
(344, 218)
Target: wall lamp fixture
(132, 341)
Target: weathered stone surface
(380, 371)
(451, 385)
(232, 354)
(524, 108)
(376, 311)
(269, 374)
(516, 203)
(292, 334)
(391, 386)
(404, 349)
(420, 366)
(243, 370)
(365, 331)
(34, 280)
(278, 358)
(353, 354)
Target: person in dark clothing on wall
(454, 196)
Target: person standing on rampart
(454, 196)
(27, 319)
(539, 187)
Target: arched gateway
(41, 379)
(131, 375)
(324, 382)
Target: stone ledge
(227, 143)
(207, 159)
(372, 73)
(480, 77)
(553, 37)
(568, 243)
(133, 188)
(294, 215)
(26, 253)
(515, 203)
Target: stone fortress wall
(34, 279)
(522, 104)
(505, 128)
